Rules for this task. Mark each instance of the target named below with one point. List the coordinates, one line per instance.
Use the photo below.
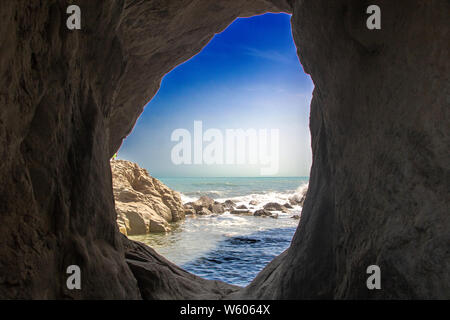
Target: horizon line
(160, 176)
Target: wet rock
(242, 206)
(241, 212)
(299, 201)
(203, 202)
(189, 209)
(217, 208)
(296, 217)
(253, 202)
(203, 211)
(274, 206)
(229, 204)
(287, 206)
(262, 212)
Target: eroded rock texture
(143, 203)
(380, 181)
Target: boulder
(262, 212)
(189, 209)
(229, 204)
(242, 206)
(274, 206)
(203, 202)
(203, 211)
(217, 208)
(288, 206)
(143, 204)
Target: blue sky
(248, 76)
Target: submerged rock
(143, 204)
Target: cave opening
(228, 130)
(378, 188)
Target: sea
(227, 247)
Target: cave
(379, 183)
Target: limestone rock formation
(379, 184)
(143, 203)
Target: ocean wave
(253, 200)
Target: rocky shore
(143, 203)
(208, 206)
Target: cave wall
(380, 134)
(380, 180)
(68, 98)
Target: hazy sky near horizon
(248, 76)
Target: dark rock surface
(379, 185)
(262, 212)
(217, 208)
(380, 180)
(241, 212)
(274, 206)
(229, 204)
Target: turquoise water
(229, 247)
(233, 187)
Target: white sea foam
(262, 199)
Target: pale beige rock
(143, 203)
